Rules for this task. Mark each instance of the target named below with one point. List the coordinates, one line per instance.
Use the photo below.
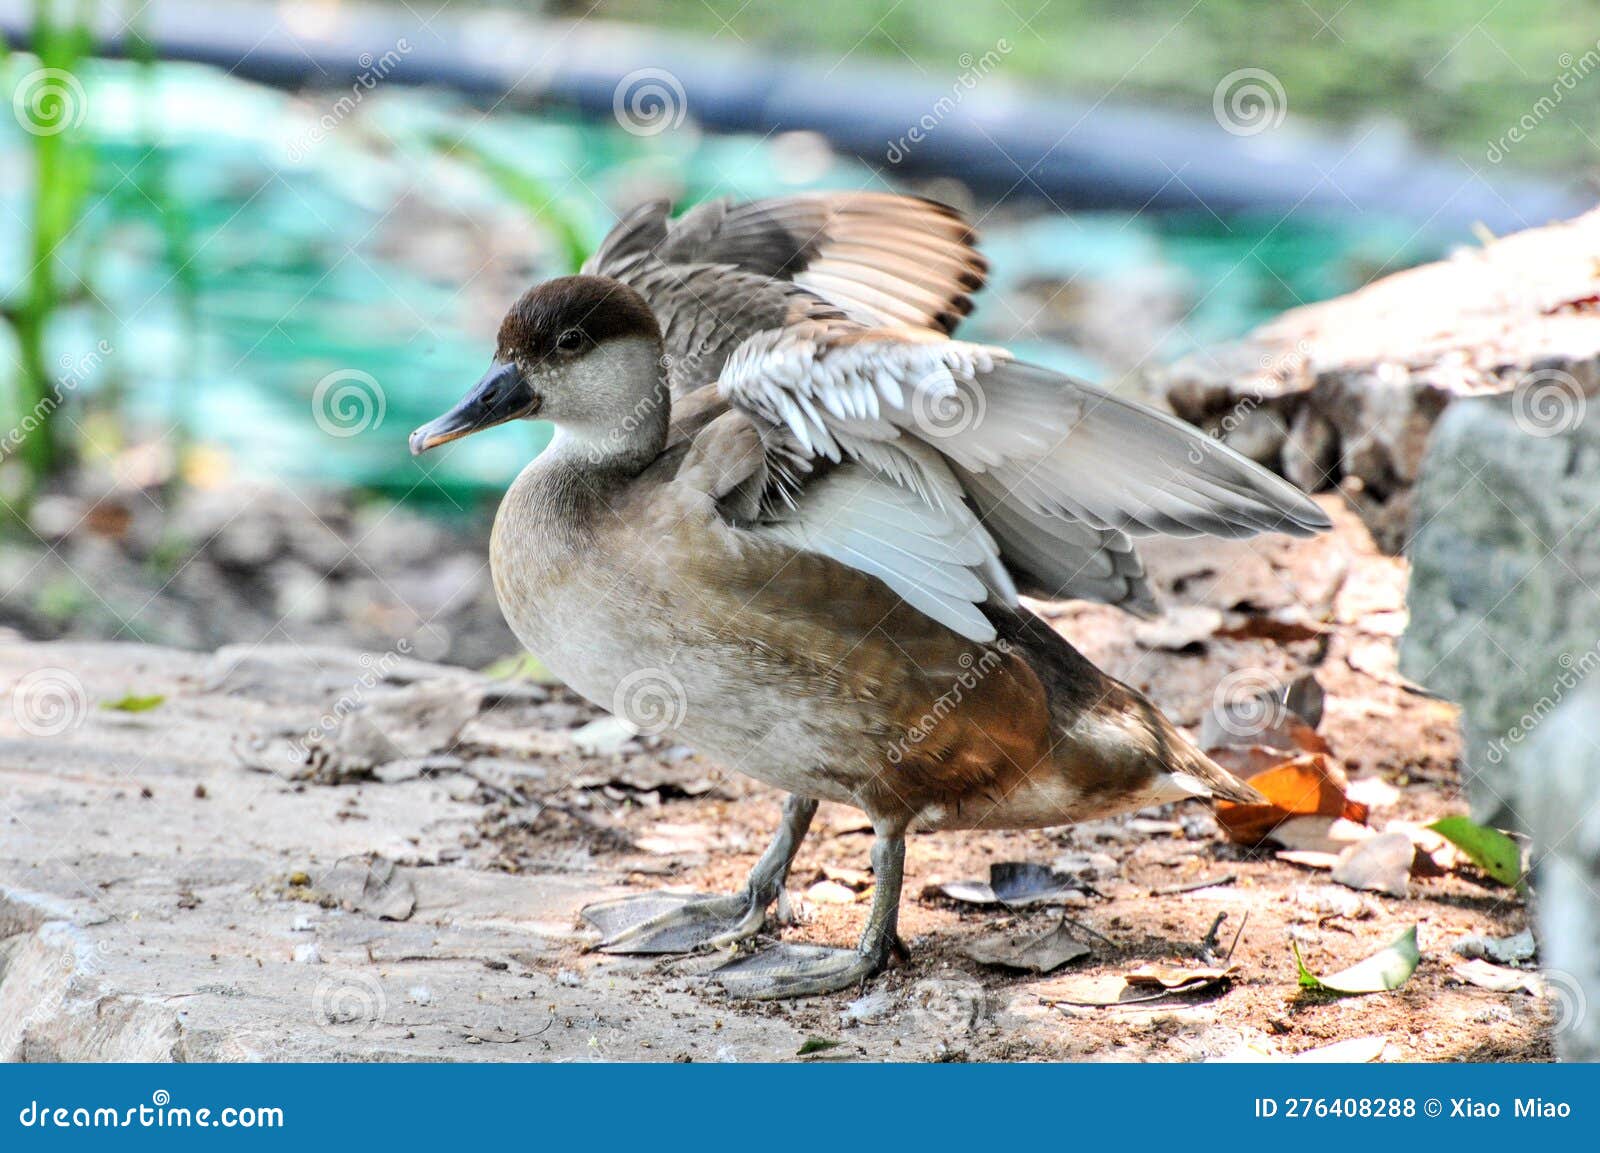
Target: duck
(787, 515)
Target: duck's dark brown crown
(600, 308)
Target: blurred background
(245, 247)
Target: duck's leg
(684, 922)
(809, 970)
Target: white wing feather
(1062, 472)
(1055, 445)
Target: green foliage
(1387, 969)
(62, 172)
(1456, 76)
(544, 202)
(1490, 849)
(133, 703)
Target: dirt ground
(1333, 606)
(173, 886)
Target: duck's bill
(500, 396)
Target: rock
(95, 968)
(1346, 392)
(1504, 620)
(1311, 450)
(870, 1009)
(1505, 559)
(1559, 772)
(1513, 950)
(606, 736)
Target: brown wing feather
(722, 272)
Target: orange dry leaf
(1311, 785)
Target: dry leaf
(1284, 718)
(1380, 864)
(1355, 1051)
(1037, 953)
(1179, 979)
(831, 893)
(1374, 792)
(1309, 858)
(1499, 978)
(1016, 883)
(857, 879)
(1386, 969)
(1246, 761)
(1320, 834)
(1309, 785)
(1279, 627)
(1151, 982)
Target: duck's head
(581, 351)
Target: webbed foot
(810, 970)
(656, 923)
(796, 971)
(675, 922)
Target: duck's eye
(570, 340)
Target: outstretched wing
(1053, 474)
(723, 272)
(925, 543)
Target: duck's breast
(629, 596)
